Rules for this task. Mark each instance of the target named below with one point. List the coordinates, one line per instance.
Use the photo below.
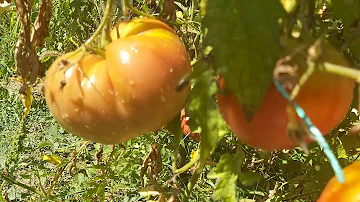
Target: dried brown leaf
(27, 63)
(154, 161)
(41, 25)
(290, 68)
(2, 1)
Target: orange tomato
(347, 192)
(325, 98)
(130, 92)
(186, 128)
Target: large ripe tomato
(130, 92)
(325, 97)
(347, 192)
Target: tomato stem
(96, 50)
(306, 75)
(192, 11)
(341, 70)
(188, 165)
(31, 189)
(62, 169)
(106, 39)
(192, 183)
(103, 23)
(85, 46)
(176, 151)
(316, 51)
(134, 10)
(40, 185)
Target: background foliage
(36, 151)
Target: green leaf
(203, 110)
(347, 144)
(249, 178)
(347, 10)
(25, 176)
(45, 144)
(53, 130)
(227, 172)
(79, 178)
(245, 37)
(341, 152)
(101, 192)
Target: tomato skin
(325, 98)
(137, 26)
(347, 192)
(131, 92)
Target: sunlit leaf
(149, 191)
(245, 39)
(204, 112)
(27, 99)
(290, 5)
(203, 7)
(341, 152)
(347, 144)
(193, 154)
(52, 159)
(227, 172)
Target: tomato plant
(130, 92)
(325, 97)
(120, 83)
(349, 191)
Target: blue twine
(317, 134)
(185, 137)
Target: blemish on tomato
(52, 97)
